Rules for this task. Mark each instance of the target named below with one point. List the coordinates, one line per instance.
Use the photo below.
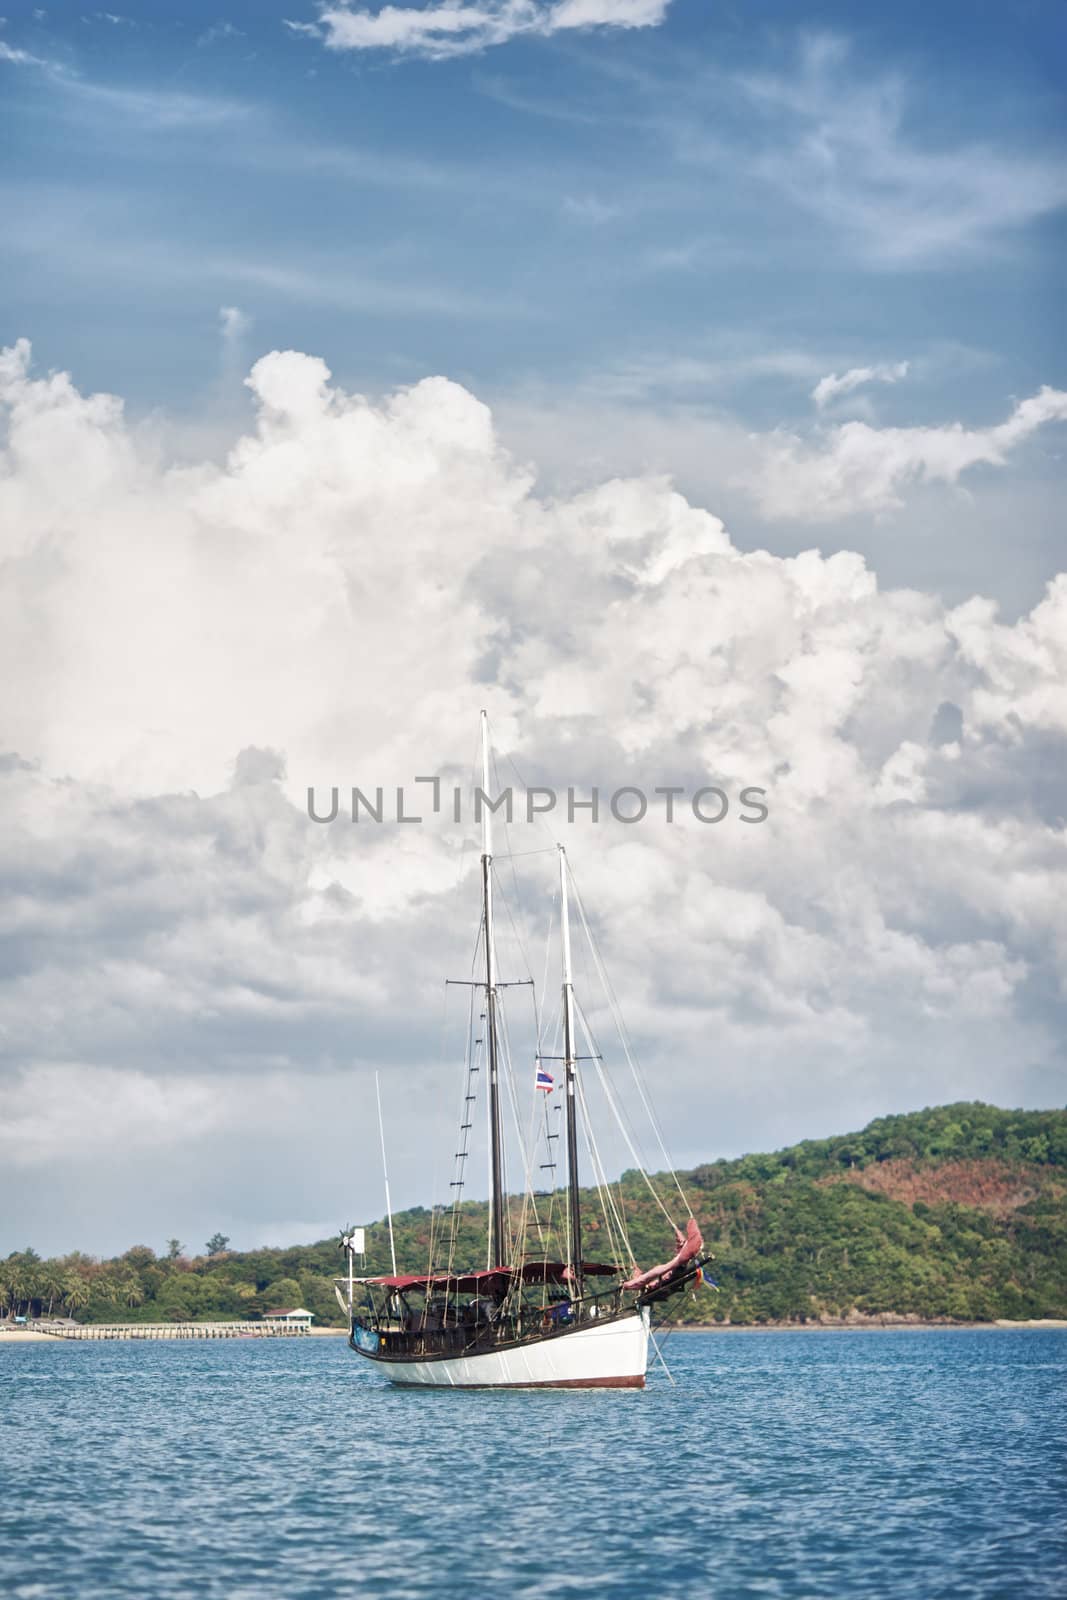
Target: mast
(385, 1172)
(497, 1240)
(574, 1211)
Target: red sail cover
(494, 1278)
(690, 1244)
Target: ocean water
(779, 1464)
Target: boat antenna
(573, 1199)
(385, 1171)
(497, 1242)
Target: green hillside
(955, 1213)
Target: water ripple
(782, 1465)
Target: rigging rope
(618, 1238)
(629, 1054)
(618, 1114)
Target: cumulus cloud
(860, 468)
(438, 31)
(834, 385)
(184, 649)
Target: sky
(683, 382)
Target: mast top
(565, 920)
(487, 815)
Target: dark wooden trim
(636, 1381)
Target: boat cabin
(460, 1309)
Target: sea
(797, 1464)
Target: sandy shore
(874, 1326)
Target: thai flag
(544, 1080)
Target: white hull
(614, 1356)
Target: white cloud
(710, 374)
(836, 384)
(668, 416)
(59, 1108)
(587, 208)
(19, 58)
(859, 468)
(154, 108)
(344, 591)
(453, 29)
(840, 145)
(233, 323)
(219, 30)
(1024, 668)
(607, 13)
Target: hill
(958, 1213)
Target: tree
(51, 1283)
(217, 1244)
(23, 1281)
(282, 1295)
(180, 1294)
(174, 1249)
(106, 1290)
(140, 1256)
(75, 1294)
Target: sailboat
(525, 1320)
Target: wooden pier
(268, 1329)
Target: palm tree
(52, 1283)
(75, 1293)
(108, 1289)
(24, 1285)
(132, 1292)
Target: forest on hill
(956, 1213)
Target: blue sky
(702, 216)
(547, 207)
(714, 428)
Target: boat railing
(424, 1332)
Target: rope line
(627, 1051)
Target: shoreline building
(296, 1317)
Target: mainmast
(574, 1211)
(497, 1239)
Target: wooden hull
(611, 1356)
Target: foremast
(498, 1249)
(498, 1243)
(574, 1209)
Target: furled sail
(690, 1244)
